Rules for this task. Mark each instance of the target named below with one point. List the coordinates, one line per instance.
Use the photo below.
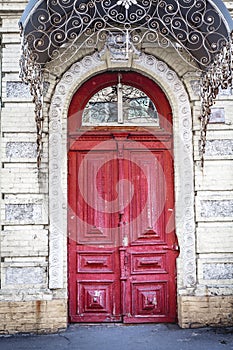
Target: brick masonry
(25, 228)
(197, 311)
(33, 316)
(24, 245)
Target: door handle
(175, 248)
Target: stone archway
(183, 161)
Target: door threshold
(119, 324)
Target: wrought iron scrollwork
(195, 25)
(219, 75)
(57, 29)
(31, 74)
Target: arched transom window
(120, 104)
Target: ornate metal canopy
(200, 31)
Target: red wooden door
(122, 246)
(94, 255)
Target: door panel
(149, 286)
(122, 251)
(147, 263)
(98, 286)
(97, 203)
(97, 296)
(95, 262)
(145, 214)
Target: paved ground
(123, 337)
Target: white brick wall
(24, 208)
(25, 241)
(212, 179)
(24, 201)
(214, 237)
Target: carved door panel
(122, 247)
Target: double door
(122, 245)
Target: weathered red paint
(122, 244)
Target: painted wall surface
(33, 291)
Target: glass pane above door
(120, 104)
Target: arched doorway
(122, 243)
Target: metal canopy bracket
(55, 30)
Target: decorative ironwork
(219, 75)
(120, 104)
(196, 25)
(55, 30)
(31, 74)
(120, 46)
(126, 3)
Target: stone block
(24, 275)
(17, 89)
(216, 208)
(219, 145)
(23, 212)
(22, 209)
(215, 270)
(22, 147)
(218, 271)
(219, 148)
(21, 150)
(217, 115)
